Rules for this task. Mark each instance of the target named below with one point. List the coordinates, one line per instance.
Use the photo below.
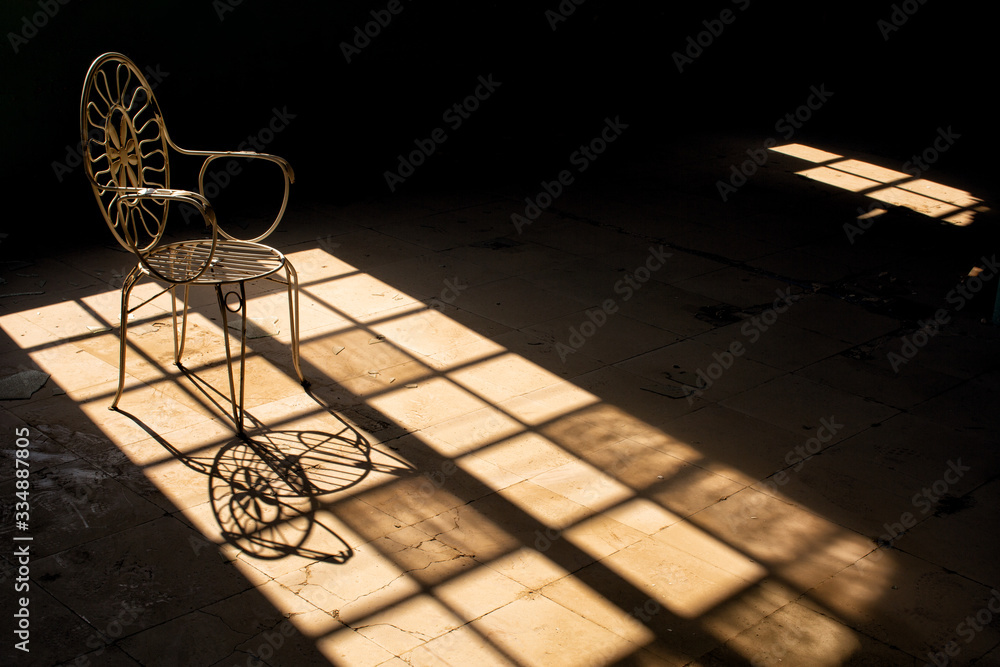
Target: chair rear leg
(130, 281)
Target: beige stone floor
(463, 485)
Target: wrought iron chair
(126, 157)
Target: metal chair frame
(126, 158)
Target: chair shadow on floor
(268, 486)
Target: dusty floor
(647, 428)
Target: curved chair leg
(127, 284)
(179, 345)
(224, 309)
(292, 279)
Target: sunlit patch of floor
(896, 188)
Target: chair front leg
(134, 276)
(224, 309)
(179, 344)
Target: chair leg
(224, 309)
(292, 279)
(127, 284)
(179, 344)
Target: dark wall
(226, 67)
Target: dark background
(230, 66)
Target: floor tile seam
(823, 517)
(541, 591)
(108, 434)
(781, 371)
(423, 590)
(841, 622)
(948, 570)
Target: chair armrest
(131, 195)
(193, 199)
(249, 155)
(210, 156)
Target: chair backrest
(125, 150)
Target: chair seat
(233, 261)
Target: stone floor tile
(631, 393)
(838, 318)
(542, 348)
(678, 487)
(913, 384)
(792, 544)
(417, 407)
(607, 336)
(668, 307)
(934, 540)
(537, 631)
(725, 442)
(797, 635)
(408, 624)
(774, 342)
(952, 406)
(584, 484)
(580, 280)
(699, 370)
(801, 405)
(681, 265)
(461, 646)
(735, 286)
(886, 596)
(526, 454)
(504, 301)
(471, 431)
(350, 647)
(74, 503)
(366, 249)
(156, 553)
(449, 334)
(510, 256)
(572, 593)
(502, 377)
(478, 591)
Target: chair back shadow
(266, 489)
(127, 161)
